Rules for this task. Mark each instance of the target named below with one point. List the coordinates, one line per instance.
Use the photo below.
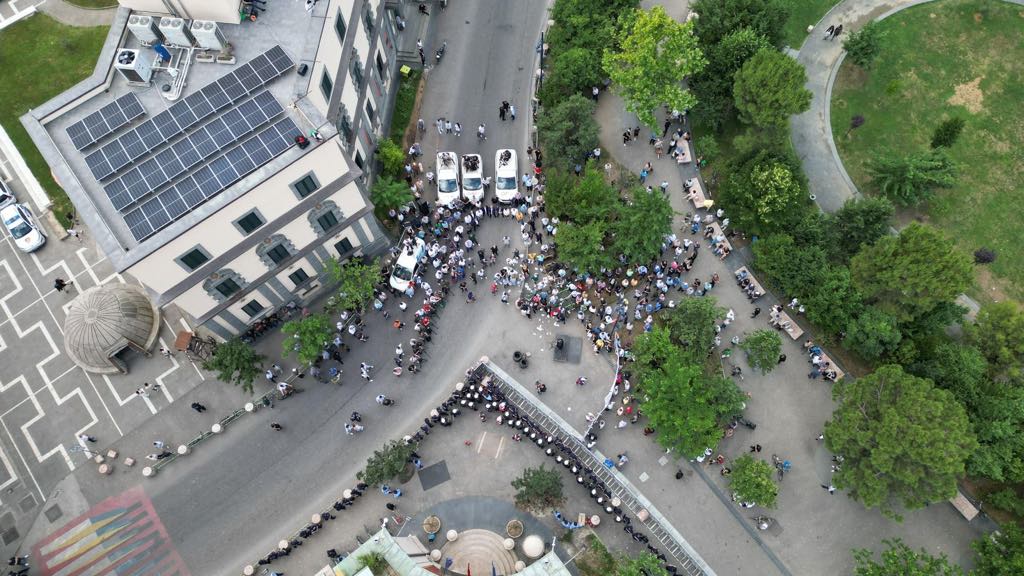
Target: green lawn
(803, 13)
(41, 58)
(955, 57)
(93, 3)
(405, 102)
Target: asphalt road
(233, 500)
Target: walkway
(72, 15)
(811, 131)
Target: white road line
(20, 455)
(501, 444)
(480, 442)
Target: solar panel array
(105, 121)
(193, 109)
(198, 147)
(211, 179)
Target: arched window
(325, 217)
(274, 250)
(224, 284)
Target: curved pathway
(72, 15)
(811, 132)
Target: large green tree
(539, 489)
(769, 88)
(583, 200)
(641, 225)
(307, 337)
(692, 326)
(873, 334)
(902, 439)
(386, 463)
(832, 302)
(235, 362)
(907, 180)
(751, 480)
(571, 71)
(654, 54)
(686, 407)
(765, 192)
(791, 268)
(898, 559)
(999, 333)
(643, 564)
(568, 131)
(390, 194)
(392, 158)
(911, 274)
(356, 282)
(583, 246)
(863, 46)
(860, 221)
(718, 18)
(1000, 554)
(713, 85)
(763, 348)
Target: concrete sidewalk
(72, 15)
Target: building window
(359, 161)
(227, 287)
(250, 222)
(370, 112)
(326, 85)
(278, 253)
(325, 217)
(306, 186)
(339, 26)
(370, 20)
(194, 258)
(380, 65)
(356, 69)
(345, 125)
(299, 277)
(344, 247)
(327, 221)
(252, 308)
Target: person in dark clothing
(198, 407)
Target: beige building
(183, 159)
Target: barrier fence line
(690, 562)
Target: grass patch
(596, 560)
(803, 13)
(405, 104)
(93, 3)
(41, 58)
(960, 58)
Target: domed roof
(104, 320)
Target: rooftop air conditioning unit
(135, 66)
(176, 32)
(145, 29)
(208, 35)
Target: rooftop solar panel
(105, 121)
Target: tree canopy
(568, 131)
(692, 327)
(769, 88)
(873, 334)
(718, 18)
(860, 221)
(907, 180)
(643, 564)
(765, 191)
(898, 559)
(307, 337)
(686, 408)
(911, 274)
(388, 193)
(902, 439)
(863, 46)
(235, 362)
(763, 348)
(1000, 554)
(751, 480)
(641, 225)
(539, 489)
(356, 282)
(998, 333)
(386, 463)
(582, 246)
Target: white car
(447, 178)
(472, 178)
(28, 235)
(506, 168)
(6, 196)
(408, 261)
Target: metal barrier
(688, 560)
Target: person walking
(364, 371)
(75, 234)
(501, 111)
(481, 132)
(757, 310)
(457, 128)
(448, 126)
(276, 427)
(166, 353)
(198, 407)
(421, 126)
(440, 125)
(59, 284)
(86, 438)
(512, 111)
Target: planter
(517, 356)
(514, 528)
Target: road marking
(480, 442)
(501, 444)
(23, 461)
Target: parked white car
(472, 178)
(506, 168)
(408, 261)
(6, 196)
(28, 234)
(447, 178)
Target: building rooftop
(166, 165)
(104, 320)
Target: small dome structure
(104, 320)
(533, 546)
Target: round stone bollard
(148, 472)
(250, 407)
(282, 545)
(216, 428)
(104, 469)
(249, 570)
(316, 519)
(183, 450)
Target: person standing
(501, 111)
(448, 126)
(276, 427)
(86, 438)
(440, 125)
(198, 407)
(512, 111)
(458, 129)
(59, 284)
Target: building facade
(265, 240)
